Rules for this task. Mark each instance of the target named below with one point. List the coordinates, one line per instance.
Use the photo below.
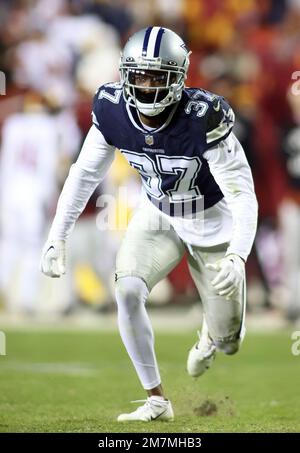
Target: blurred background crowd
(56, 54)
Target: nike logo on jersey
(217, 108)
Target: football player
(197, 197)
(36, 142)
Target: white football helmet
(160, 54)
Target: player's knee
(130, 292)
(228, 347)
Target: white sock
(135, 329)
(157, 398)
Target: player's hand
(231, 271)
(53, 259)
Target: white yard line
(67, 369)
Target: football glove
(53, 259)
(231, 271)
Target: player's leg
(223, 320)
(147, 255)
(289, 214)
(30, 242)
(30, 277)
(9, 253)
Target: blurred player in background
(289, 212)
(197, 197)
(38, 145)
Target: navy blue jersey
(169, 159)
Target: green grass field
(80, 381)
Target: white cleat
(202, 354)
(154, 408)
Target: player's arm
(231, 171)
(90, 168)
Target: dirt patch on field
(209, 407)
(206, 408)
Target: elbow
(84, 173)
(255, 205)
(252, 212)
(252, 208)
(252, 203)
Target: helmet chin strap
(148, 112)
(145, 110)
(175, 92)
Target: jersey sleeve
(220, 121)
(85, 174)
(230, 169)
(100, 114)
(106, 111)
(96, 110)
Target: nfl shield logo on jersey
(149, 139)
